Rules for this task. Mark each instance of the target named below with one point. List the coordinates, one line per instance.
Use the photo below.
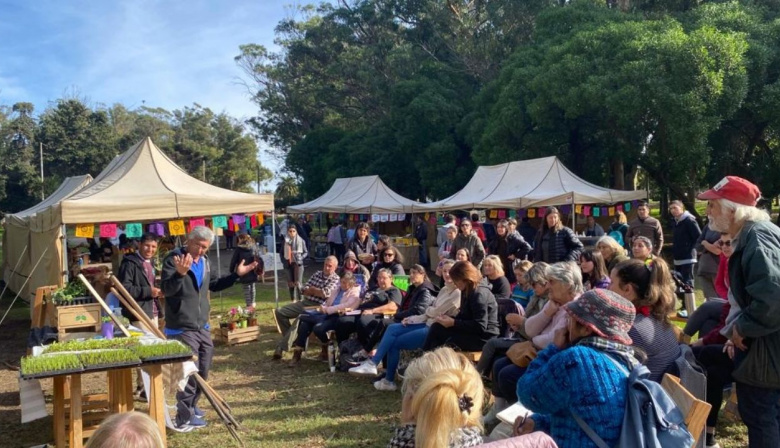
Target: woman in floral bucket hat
(578, 373)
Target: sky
(166, 54)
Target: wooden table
(72, 424)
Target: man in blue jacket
(186, 281)
(686, 234)
(753, 328)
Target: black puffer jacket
(563, 245)
(417, 300)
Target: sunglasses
(389, 255)
(722, 243)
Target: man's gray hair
(568, 273)
(201, 233)
(743, 213)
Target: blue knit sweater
(581, 379)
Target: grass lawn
(279, 407)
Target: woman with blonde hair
(612, 252)
(620, 224)
(127, 430)
(493, 270)
(442, 402)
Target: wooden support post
(76, 435)
(156, 397)
(103, 305)
(59, 411)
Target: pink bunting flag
(542, 212)
(195, 222)
(586, 210)
(253, 220)
(501, 214)
(108, 230)
(620, 207)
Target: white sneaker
(383, 384)
(366, 368)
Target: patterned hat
(608, 314)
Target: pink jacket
(350, 299)
(535, 439)
(541, 328)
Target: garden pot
(253, 322)
(223, 325)
(107, 330)
(231, 326)
(242, 324)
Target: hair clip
(649, 264)
(465, 403)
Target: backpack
(346, 351)
(617, 235)
(651, 420)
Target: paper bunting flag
(532, 213)
(627, 207)
(260, 219)
(248, 225)
(440, 220)
(176, 228)
(542, 211)
(512, 213)
(620, 207)
(603, 211)
(522, 213)
(611, 211)
(195, 222)
(238, 219)
(108, 230)
(220, 221)
(432, 219)
(375, 218)
(134, 230)
(156, 228)
(85, 230)
(493, 214)
(253, 220)
(578, 209)
(394, 217)
(402, 216)
(596, 212)
(501, 214)
(566, 209)
(384, 218)
(586, 210)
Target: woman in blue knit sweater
(576, 375)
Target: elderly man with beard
(754, 329)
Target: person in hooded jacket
(686, 234)
(469, 240)
(248, 252)
(509, 246)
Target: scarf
(620, 351)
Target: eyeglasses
(389, 254)
(722, 243)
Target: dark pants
(423, 250)
(370, 329)
(718, 366)
(759, 408)
(505, 376)
(686, 271)
(320, 324)
(201, 345)
(705, 318)
(341, 250)
(492, 350)
(451, 337)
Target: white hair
(568, 273)
(743, 213)
(201, 233)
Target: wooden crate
(237, 336)
(78, 318)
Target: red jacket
(722, 287)
(722, 278)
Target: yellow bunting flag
(176, 228)
(578, 209)
(532, 213)
(85, 230)
(260, 219)
(493, 214)
(612, 211)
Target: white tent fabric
(144, 184)
(366, 194)
(528, 183)
(30, 233)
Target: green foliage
(34, 365)
(70, 291)
(161, 350)
(101, 358)
(91, 344)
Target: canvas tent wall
(365, 194)
(528, 183)
(35, 234)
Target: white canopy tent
(35, 234)
(366, 194)
(528, 183)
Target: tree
(20, 185)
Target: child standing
(248, 252)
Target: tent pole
(573, 214)
(273, 252)
(64, 254)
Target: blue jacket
(581, 379)
(686, 234)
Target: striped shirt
(659, 343)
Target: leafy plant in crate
(73, 293)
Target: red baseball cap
(735, 189)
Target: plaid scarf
(616, 349)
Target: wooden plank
(156, 398)
(76, 434)
(694, 410)
(59, 411)
(103, 305)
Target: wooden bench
(694, 410)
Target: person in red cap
(754, 334)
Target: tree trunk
(618, 174)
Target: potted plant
(74, 293)
(107, 327)
(251, 316)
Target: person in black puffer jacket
(556, 242)
(686, 234)
(248, 252)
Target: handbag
(522, 353)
